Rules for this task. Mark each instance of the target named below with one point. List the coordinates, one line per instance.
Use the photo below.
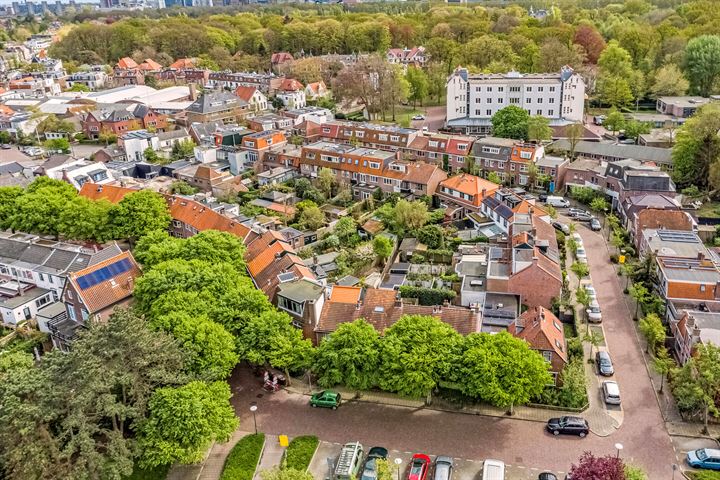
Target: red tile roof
(542, 330)
(190, 212)
(127, 63)
(280, 57)
(183, 63)
(150, 65)
(245, 93)
(110, 291)
(290, 85)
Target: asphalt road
(516, 442)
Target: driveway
(434, 119)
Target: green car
(326, 398)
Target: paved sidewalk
(271, 456)
(213, 467)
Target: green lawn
(704, 475)
(300, 452)
(243, 458)
(709, 209)
(157, 473)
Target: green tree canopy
(501, 369)
(349, 356)
(183, 421)
(511, 122)
(139, 213)
(417, 352)
(382, 246)
(697, 149)
(702, 64)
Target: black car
(547, 476)
(569, 426)
(604, 364)
(542, 197)
(369, 471)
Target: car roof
(421, 456)
(444, 458)
(571, 419)
(603, 353)
(711, 452)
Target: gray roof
(300, 290)
(12, 167)
(638, 152)
(674, 243)
(53, 310)
(692, 275)
(27, 297)
(215, 102)
(172, 134)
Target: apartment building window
(501, 89)
(540, 89)
(528, 100)
(374, 165)
(477, 111)
(394, 138)
(478, 89)
(500, 100)
(514, 100)
(514, 89)
(538, 111)
(540, 100)
(551, 113)
(373, 179)
(359, 134)
(528, 89)
(489, 89)
(526, 155)
(489, 100)
(551, 100)
(387, 181)
(488, 112)
(552, 89)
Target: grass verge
(300, 452)
(243, 458)
(156, 473)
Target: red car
(419, 467)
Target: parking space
(464, 469)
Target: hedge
(300, 452)
(243, 458)
(427, 296)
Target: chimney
(398, 300)
(193, 92)
(701, 256)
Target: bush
(243, 458)
(704, 475)
(300, 452)
(427, 296)
(575, 348)
(614, 258)
(584, 194)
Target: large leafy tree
(419, 84)
(539, 128)
(410, 215)
(501, 369)
(8, 199)
(697, 149)
(349, 356)
(40, 207)
(697, 384)
(85, 219)
(702, 64)
(669, 81)
(511, 122)
(140, 213)
(72, 415)
(183, 422)
(417, 352)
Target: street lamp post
(398, 461)
(618, 446)
(253, 409)
(674, 469)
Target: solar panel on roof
(105, 273)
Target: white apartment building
(472, 100)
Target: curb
(317, 447)
(257, 464)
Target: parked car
(611, 392)
(584, 217)
(599, 119)
(574, 212)
(443, 467)
(595, 225)
(6, 146)
(578, 239)
(547, 476)
(704, 458)
(558, 202)
(419, 466)
(568, 425)
(580, 254)
(493, 470)
(369, 471)
(418, 117)
(562, 227)
(594, 313)
(543, 197)
(604, 364)
(326, 398)
(589, 288)
(349, 462)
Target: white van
(611, 393)
(349, 463)
(558, 202)
(493, 470)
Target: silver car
(443, 468)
